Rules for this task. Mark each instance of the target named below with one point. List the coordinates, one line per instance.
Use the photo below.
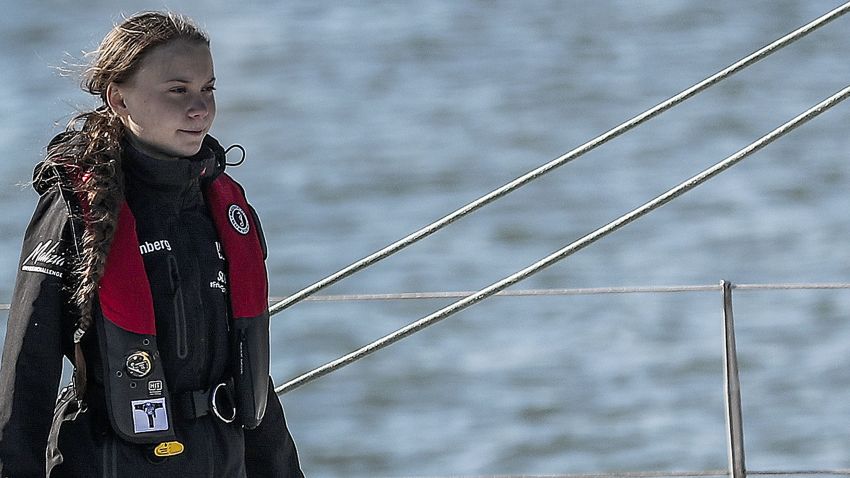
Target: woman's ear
(115, 100)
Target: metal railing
(732, 388)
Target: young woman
(144, 265)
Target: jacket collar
(174, 174)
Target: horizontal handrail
(658, 289)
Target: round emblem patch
(139, 364)
(238, 219)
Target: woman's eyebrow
(183, 80)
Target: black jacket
(187, 275)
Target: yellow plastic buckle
(168, 448)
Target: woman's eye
(209, 88)
(178, 89)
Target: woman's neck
(148, 150)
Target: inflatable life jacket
(139, 405)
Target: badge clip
(168, 448)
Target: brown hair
(90, 151)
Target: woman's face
(168, 106)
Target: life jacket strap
(217, 401)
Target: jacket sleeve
(269, 448)
(32, 354)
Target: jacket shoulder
(57, 170)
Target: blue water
(364, 121)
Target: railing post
(734, 418)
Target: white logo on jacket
(220, 282)
(45, 258)
(160, 245)
(238, 219)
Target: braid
(91, 157)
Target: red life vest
(138, 402)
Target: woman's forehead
(179, 60)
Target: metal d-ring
(214, 404)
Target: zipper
(179, 308)
(204, 359)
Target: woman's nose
(199, 107)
